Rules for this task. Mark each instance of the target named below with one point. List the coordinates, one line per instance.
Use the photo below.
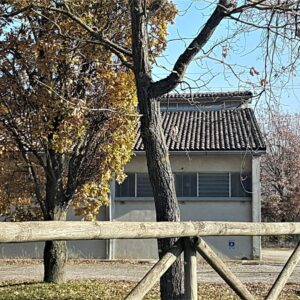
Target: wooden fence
(190, 242)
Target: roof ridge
(205, 95)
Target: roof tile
(221, 130)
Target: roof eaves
(257, 152)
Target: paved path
(134, 272)
(276, 254)
(251, 272)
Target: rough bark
(55, 258)
(55, 253)
(162, 180)
(159, 168)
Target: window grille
(241, 185)
(225, 185)
(127, 188)
(144, 188)
(186, 184)
(213, 185)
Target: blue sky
(242, 53)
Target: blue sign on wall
(231, 244)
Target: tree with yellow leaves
(67, 120)
(82, 56)
(68, 110)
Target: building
(215, 146)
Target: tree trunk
(162, 180)
(55, 253)
(159, 168)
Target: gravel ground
(134, 272)
(247, 271)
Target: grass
(96, 289)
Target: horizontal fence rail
(20, 232)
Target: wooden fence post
(148, 281)
(284, 274)
(219, 266)
(190, 270)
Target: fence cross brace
(220, 267)
(284, 275)
(149, 280)
(190, 246)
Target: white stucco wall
(197, 209)
(197, 163)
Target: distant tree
(67, 126)
(281, 168)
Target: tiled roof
(220, 130)
(213, 96)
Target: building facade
(215, 146)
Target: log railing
(190, 242)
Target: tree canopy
(281, 167)
(67, 117)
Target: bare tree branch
(169, 83)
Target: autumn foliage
(67, 103)
(67, 114)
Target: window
(135, 185)
(127, 188)
(241, 185)
(213, 185)
(144, 188)
(186, 184)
